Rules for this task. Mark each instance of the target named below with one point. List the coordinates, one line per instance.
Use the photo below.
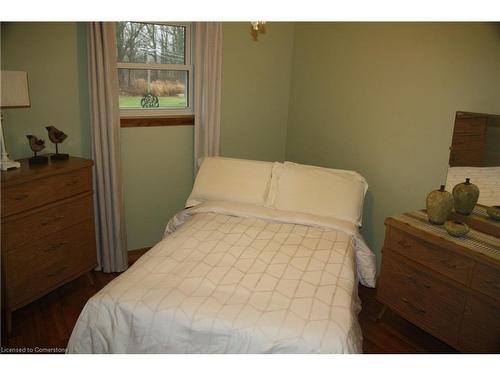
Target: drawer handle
(410, 278)
(56, 219)
(56, 246)
(21, 197)
(404, 244)
(59, 271)
(448, 264)
(417, 309)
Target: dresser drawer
(29, 228)
(36, 193)
(37, 267)
(486, 279)
(441, 260)
(480, 331)
(420, 298)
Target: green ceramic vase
(465, 196)
(439, 204)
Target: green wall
(377, 98)
(158, 161)
(157, 167)
(55, 57)
(380, 98)
(255, 89)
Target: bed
(240, 274)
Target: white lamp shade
(15, 91)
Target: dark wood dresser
(448, 286)
(47, 233)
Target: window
(154, 69)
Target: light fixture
(14, 94)
(258, 27)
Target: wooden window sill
(134, 122)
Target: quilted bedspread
(234, 280)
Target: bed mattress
(235, 279)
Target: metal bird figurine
(56, 136)
(37, 145)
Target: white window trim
(188, 67)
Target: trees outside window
(154, 68)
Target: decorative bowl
(494, 212)
(456, 228)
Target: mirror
(475, 154)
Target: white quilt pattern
(228, 284)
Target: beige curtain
(207, 89)
(105, 129)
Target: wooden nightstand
(48, 234)
(450, 287)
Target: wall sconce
(258, 27)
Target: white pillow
(318, 191)
(233, 180)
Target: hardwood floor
(48, 322)
(393, 334)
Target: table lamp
(14, 94)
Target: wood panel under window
(133, 122)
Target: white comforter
(230, 278)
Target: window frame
(137, 113)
